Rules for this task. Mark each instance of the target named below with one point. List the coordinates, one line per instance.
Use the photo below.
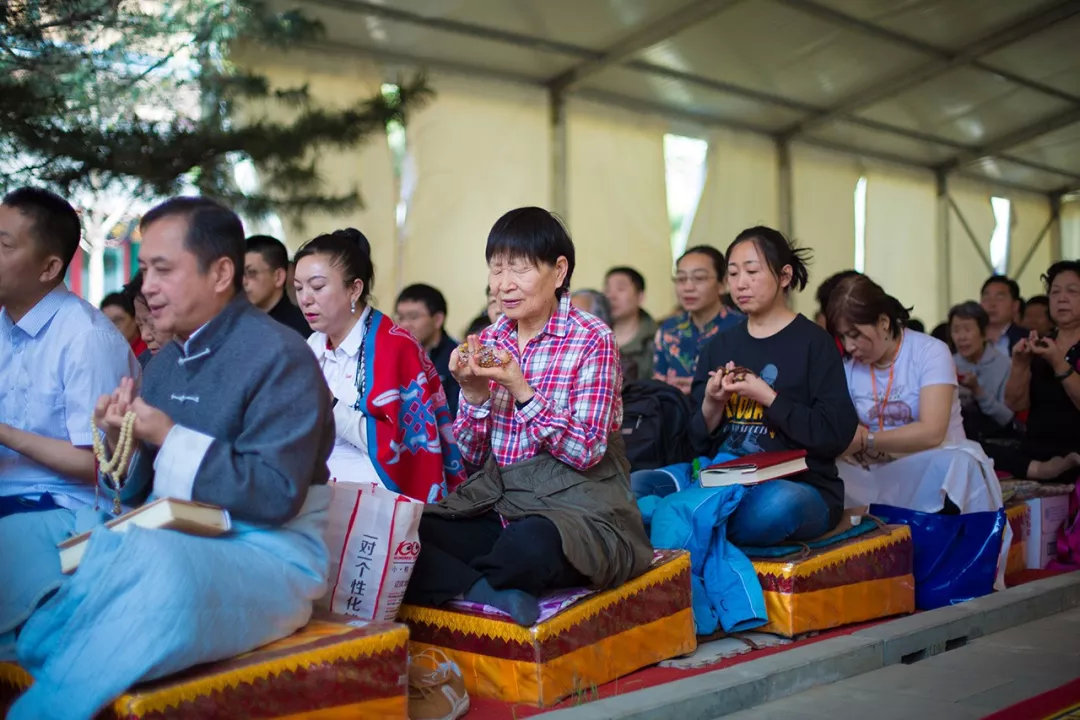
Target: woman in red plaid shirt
(552, 508)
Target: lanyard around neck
(880, 405)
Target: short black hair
(56, 226)
(1014, 288)
(1059, 267)
(349, 251)
(636, 278)
(825, 289)
(1040, 300)
(710, 252)
(970, 310)
(533, 234)
(272, 250)
(120, 300)
(419, 292)
(778, 251)
(214, 231)
(478, 323)
(133, 289)
(941, 332)
(916, 325)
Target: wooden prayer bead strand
(115, 468)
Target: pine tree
(143, 95)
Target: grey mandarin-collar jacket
(253, 421)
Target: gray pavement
(894, 657)
(984, 675)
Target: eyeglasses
(252, 273)
(412, 317)
(693, 279)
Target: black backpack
(656, 424)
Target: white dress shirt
(349, 461)
(55, 363)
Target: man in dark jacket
(266, 270)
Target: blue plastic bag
(956, 556)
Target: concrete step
(904, 640)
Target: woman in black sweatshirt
(794, 397)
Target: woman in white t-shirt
(910, 449)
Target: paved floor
(981, 677)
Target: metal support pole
(944, 244)
(1055, 215)
(784, 178)
(1057, 252)
(971, 236)
(559, 198)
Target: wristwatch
(1065, 374)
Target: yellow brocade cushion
(597, 640)
(864, 578)
(336, 668)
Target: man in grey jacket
(234, 412)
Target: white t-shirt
(923, 360)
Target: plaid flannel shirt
(573, 366)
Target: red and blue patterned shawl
(409, 427)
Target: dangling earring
(352, 307)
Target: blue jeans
(769, 513)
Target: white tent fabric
(1070, 229)
(479, 150)
(823, 205)
(368, 168)
(981, 92)
(741, 188)
(901, 249)
(1030, 214)
(617, 208)
(967, 268)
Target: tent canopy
(988, 89)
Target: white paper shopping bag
(374, 540)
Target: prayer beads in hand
(739, 373)
(486, 356)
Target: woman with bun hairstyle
(390, 413)
(910, 449)
(773, 382)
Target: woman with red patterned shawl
(392, 422)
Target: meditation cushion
(1019, 517)
(860, 578)
(329, 669)
(582, 639)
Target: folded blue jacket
(726, 590)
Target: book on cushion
(755, 468)
(184, 516)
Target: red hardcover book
(756, 468)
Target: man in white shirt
(60, 354)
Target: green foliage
(97, 91)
